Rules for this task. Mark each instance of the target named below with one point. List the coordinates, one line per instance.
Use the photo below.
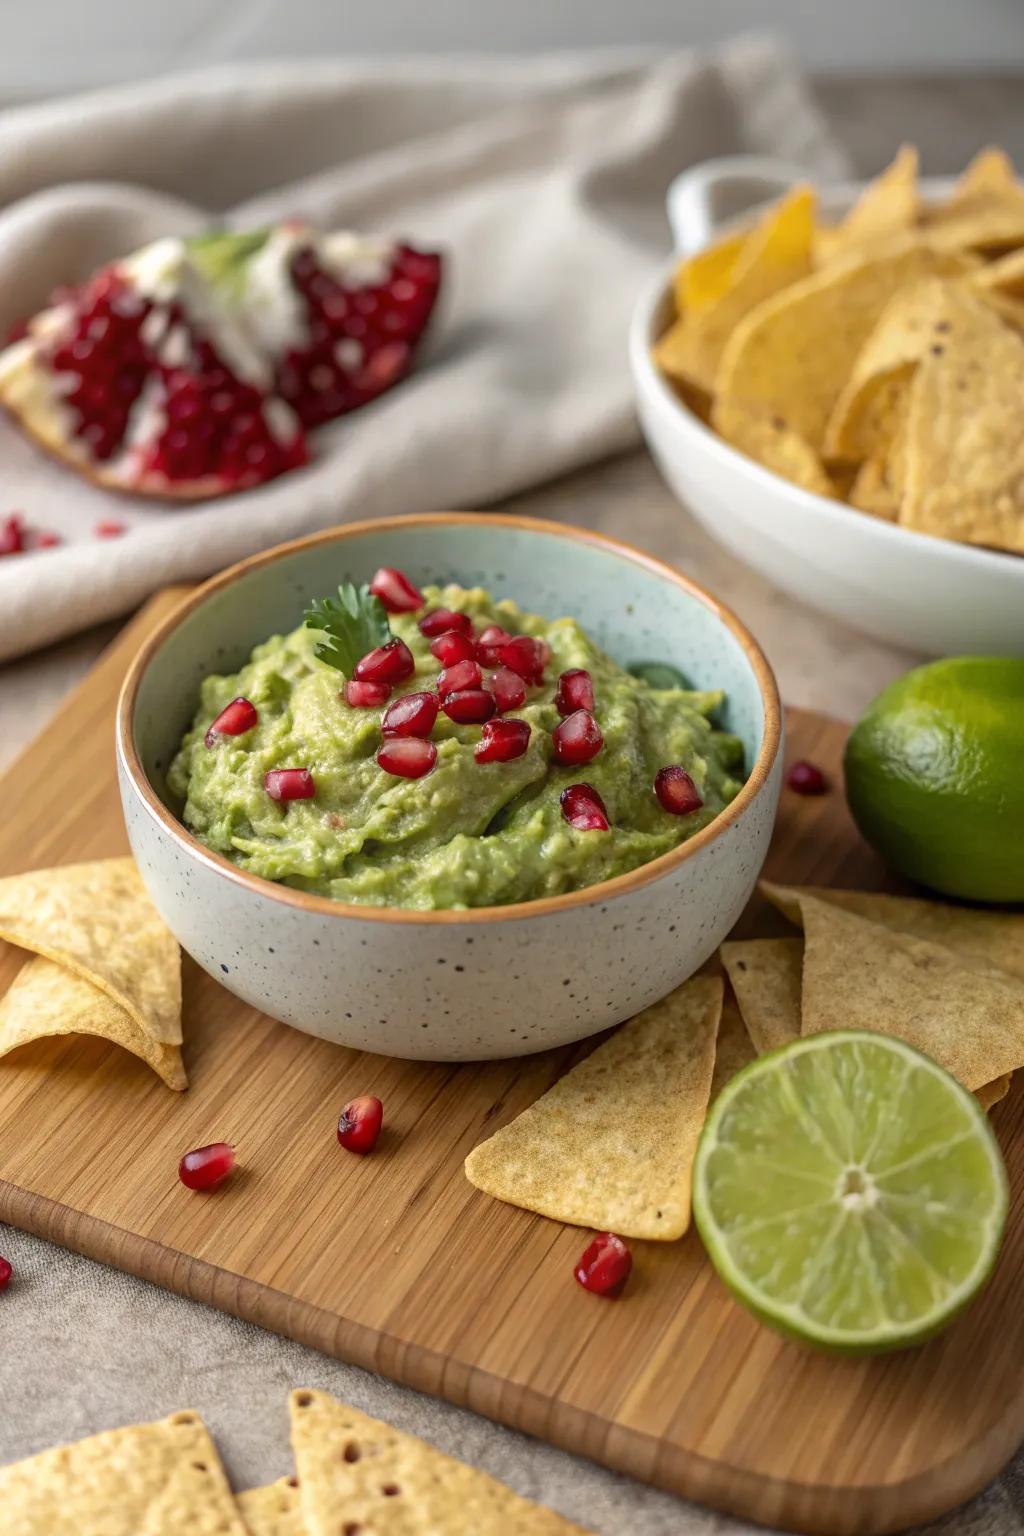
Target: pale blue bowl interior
(632, 612)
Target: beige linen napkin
(544, 182)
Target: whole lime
(935, 776)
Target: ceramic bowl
(452, 986)
(909, 589)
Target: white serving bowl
(499, 981)
(912, 590)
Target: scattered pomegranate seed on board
(206, 1167)
(391, 663)
(676, 791)
(502, 740)
(584, 809)
(508, 688)
(359, 1124)
(578, 738)
(396, 591)
(439, 620)
(289, 784)
(411, 715)
(469, 706)
(575, 691)
(110, 529)
(806, 779)
(604, 1265)
(12, 534)
(5, 1274)
(366, 695)
(406, 757)
(452, 647)
(234, 720)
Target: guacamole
(469, 833)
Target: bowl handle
(706, 196)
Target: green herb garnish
(353, 625)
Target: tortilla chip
(873, 491)
(1005, 276)
(702, 279)
(359, 1475)
(888, 206)
(765, 976)
(46, 1000)
(994, 1092)
(792, 356)
(146, 1480)
(769, 441)
(733, 1048)
(775, 253)
(97, 920)
(986, 210)
(275, 1510)
(611, 1145)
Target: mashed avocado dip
(468, 834)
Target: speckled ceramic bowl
(452, 986)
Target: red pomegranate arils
(12, 534)
(46, 540)
(289, 784)
(453, 646)
(359, 1124)
(470, 706)
(411, 715)
(502, 740)
(406, 757)
(489, 645)
(676, 791)
(396, 591)
(575, 691)
(206, 1167)
(508, 688)
(578, 739)
(390, 663)
(584, 809)
(523, 654)
(462, 674)
(110, 529)
(806, 779)
(366, 695)
(5, 1273)
(234, 720)
(604, 1265)
(439, 620)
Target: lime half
(850, 1192)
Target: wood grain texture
(397, 1264)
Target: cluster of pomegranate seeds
(5, 1273)
(407, 757)
(604, 1265)
(575, 691)
(366, 695)
(414, 714)
(359, 1124)
(105, 360)
(806, 779)
(676, 791)
(391, 663)
(578, 739)
(396, 591)
(289, 784)
(206, 1167)
(361, 340)
(502, 740)
(12, 534)
(584, 809)
(234, 720)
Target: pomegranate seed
(470, 706)
(508, 688)
(502, 740)
(5, 1273)
(359, 1124)
(489, 645)
(676, 791)
(452, 647)
(12, 534)
(289, 784)
(439, 620)
(391, 663)
(411, 715)
(462, 674)
(111, 529)
(206, 1167)
(604, 1265)
(806, 779)
(524, 656)
(366, 695)
(47, 540)
(407, 757)
(584, 809)
(234, 720)
(575, 691)
(578, 738)
(396, 591)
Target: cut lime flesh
(850, 1192)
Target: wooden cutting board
(396, 1263)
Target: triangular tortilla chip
(703, 278)
(45, 1000)
(357, 1475)
(158, 1479)
(986, 209)
(611, 1145)
(769, 441)
(733, 1048)
(992, 1093)
(275, 1510)
(97, 920)
(1005, 276)
(765, 976)
(873, 491)
(888, 206)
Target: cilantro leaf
(352, 625)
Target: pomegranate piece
(453, 646)
(206, 1167)
(584, 809)
(490, 643)
(462, 674)
(575, 691)
(525, 656)
(359, 1124)
(407, 757)
(234, 720)
(578, 738)
(396, 591)
(289, 784)
(439, 620)
(390, 663)
(676, 791)
(806, 779)
(12, 534)
(411, 715)
(470, 706)
(502, 740)
(5, 1273)
(604, 1265)
(366, 695)
(508, 688)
